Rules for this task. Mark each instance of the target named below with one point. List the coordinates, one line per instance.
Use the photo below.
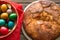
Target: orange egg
(4, 15)
(3, 7)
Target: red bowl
(19, 16)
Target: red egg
(4, 30)
(0, 32)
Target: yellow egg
(4, 15)
(4, 7)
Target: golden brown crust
(42, 20)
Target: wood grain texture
(22, 37)
(31, 0)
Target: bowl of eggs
(8, 19)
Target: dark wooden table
(25, 3)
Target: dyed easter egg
(9, 6)
(4, 15)
(13, 16)
(3, 7)
(10, 24)
(9, 11)
(2, 22)
(4, 30)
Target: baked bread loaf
(42, 20)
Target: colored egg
(2, 22)
(9, 6)
(10, 24)
(4, 15)
(13, 16)
(4, 30)
(3, 7)
(9, 11)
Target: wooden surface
(25, 3)
(31, 0)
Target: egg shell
(13, 16)
(4, 15)
(2, 22)
(9, 11)
(4, 30)
(10, 24)
(9, 6)
(4, 7)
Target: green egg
(13, 16)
